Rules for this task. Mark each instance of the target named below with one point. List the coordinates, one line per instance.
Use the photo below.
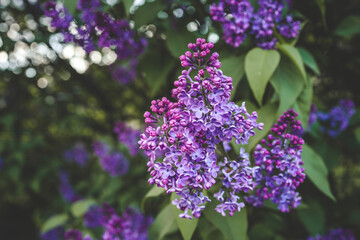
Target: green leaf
(266, 115)
(147, 13)
(303, 104)
(294, 55)
(259, 66)
(287, 82)
(233, 227)
(156, 68)
(127, 6)
(309, 60)
(357, 134)
(316, 171)
(233, 67)
(70, 5)
(321, 5)
(79, 208)
(53, 222)
(178, 40)
(164, 224)
(154, 192)
(313, 217)
(187, 226)
(348, 27)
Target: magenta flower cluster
(279, 160)
(335, 234)
(239, 20)
(77, 154)
(99, 30)
(128, 136)
(114, 163)
(183, 137)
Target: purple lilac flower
(99, 30)
(73, 234)
(236, 23)
(54, 234)
(115, 164)
(78, 154)
(337, 120)
(128, 136)
(124, 74)
(181, 149)
(289, 28)
(100, 149)
(66, 189)
(93, 216)
(132, 225)
(312, 115)
(335, 234)
(239, 20)
(279, 160)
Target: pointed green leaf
(348, 27)
(316, 171)
(259, 66)
(164, 224)
(288, 83)
(321, 5)
(294, 55)
(127, 6)
(70, 5)
(154, 192)
(303, 104)
(309, 60)
(177, 41)
(53, 222)
(187, 226)
(313, 217)
(79, 208)
(147, 13)
(233, 67)
(233, 227)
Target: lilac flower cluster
(54, 234)
(98, 215)
(78, 154)
(132, 225)
(99, 30)
(182, 147)
(239, 20)
(67, 190)
(279, 160)
(128, 136)
(337, 120)
(75, 235)
(114, 163)
(335, 234)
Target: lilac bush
(239, 20)
(99, 30)
(279, 160)
(182, 148)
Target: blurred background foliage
(54, 95)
